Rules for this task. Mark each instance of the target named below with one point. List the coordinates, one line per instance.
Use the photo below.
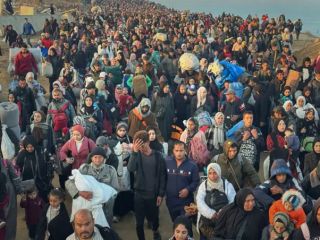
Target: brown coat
(135, 125)
(139, 86)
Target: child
(291, 203)
(125, 102)
(33, 207)
(54, 222)
(281, 228)
(292, 140)
(307, 94)
(286, 95)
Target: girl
(280, 229)
(33, 205)
(54, 222)
(181, 228)
(154, 142)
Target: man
(25, 96)
(141, 117)
(25, 62)
(250, 140)
(232, 108)
(84, 228)
(28, 30)
(183, 180)
(276, 87)
(298, 28)
(235, 168)
(149, 168)
(102, 172)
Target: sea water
(306, 10)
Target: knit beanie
(98, 151)
(79, 129)
(294, 197)
(122, 125)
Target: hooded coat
(233, 218)
(237, 169)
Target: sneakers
(2, 224)
(115, 219)
(156, 235)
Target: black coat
(59, 227)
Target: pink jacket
(79, 157)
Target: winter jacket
(237, 169)
(135, 166)
(59, 227)
(315, 91)
(184, 176)
(311, 161)
(33, 209)
(79, 157)
(25, 64)
(297, 216)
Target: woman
(32, 165)
(215, 135)
(181, 105)
(207, 210)
(292, 119)
(181, 228)
(310, 230)
(312, 159)
(154, 142)
(75, 151)
(196, 142)
(162, 106)
(240, 219)
(56, 63)
(280, 229)
(276, 138)
(301, 106)
(201, 103)
(93, 117)
(42, 132)
(37, 89)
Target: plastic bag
(7, 147)
(124, 180)
(46, 69)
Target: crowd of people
(147, 104)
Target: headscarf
(218, 131)
(190, 134)
(88, 110)
(29, 75)
(62, 88)
(79, 129)
(312, 219)
(301, 111)
(201, 101)
(286, 103)
(285, 220)
(144, 102)
(215, 185)
(232, 216)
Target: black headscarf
(88, 110)
(314, 143)
(232, 217)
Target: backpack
(216, 199)
(59, 118)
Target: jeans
(145, 208)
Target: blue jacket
(28, 29)
(184, 176)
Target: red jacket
(47, 42)
(79, 157)
(26, 64)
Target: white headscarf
(286, 103)
(301, 111)
(218, 132)
(215, 185)
(200, 101)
